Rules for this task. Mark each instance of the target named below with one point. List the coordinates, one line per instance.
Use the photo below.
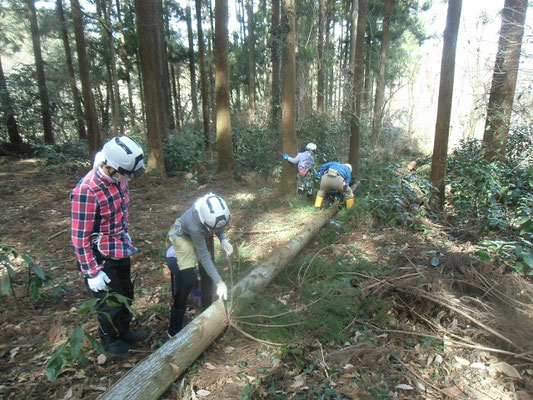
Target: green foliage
(72, 153)
(183, 152)
(256, 149)
(330, 136)
(396, 199)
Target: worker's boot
(318, 201)
(176, 321)
(349, 203)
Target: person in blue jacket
(335, 176)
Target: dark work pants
(119, 271)
(183, 281)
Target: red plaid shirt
(100, 221)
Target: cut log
(151, 377)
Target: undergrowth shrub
(257, 149)
(182, 152)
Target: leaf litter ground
(362, 312)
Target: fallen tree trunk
(151, 377)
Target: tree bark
(192, 70)
(82, 133)
(226, 161)
(380, 88)
(320, 61)
(444, 107)
(276, 61)
(175, 96)
(203, 75)
(503, 86)
(210, 39)
(251, 59)
(148, 26)
(358, 85)
(93, 131)
(150, 378)
(41, 79)
(9, 113)
(288, 173)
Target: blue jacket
(341, 168)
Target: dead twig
(58, 233)
(271, 325)
(265, 342)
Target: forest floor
(379, 317)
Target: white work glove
(99, 282)
(222, 291)
(228, 248)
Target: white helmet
(349, 166)
(310, 146)
(125, 155)
(212, 210)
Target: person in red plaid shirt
(100, 238)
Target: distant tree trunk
(148, 14)
(380, 89)
(320, 60)
(444, 107)
(93, 131)
(9, 113)
(358, 84)
(194, 95)
(210, 63)
(164, 74)
(276, 60)
(503, 86)
(126, 61)
(175, 96)
(226, 161)
(328, 72)
(41, 80)
(251, 58)
(117, 125)
(82, 134)
(203, 75)
(288, 71)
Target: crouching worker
(335, 176)
(190, 235)
(101, 241)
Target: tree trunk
(175, 97)
(288, 174)
(251, 59)
(320, 61)
(380, 88)
(276, 61)
(117, 125)
(93, 131)
(444, 107)
(9, 113)
(126, 61)
(210, 39)
(151, 378)
(192, 70)
(358, 85)
(41, 79)
(203, 75)
(82, 134)
(164, 74)
(226, 161)
(503, 86)
(148, 26)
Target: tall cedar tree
(41, 79)
(9, 114)
(504, 79)
(125, 61)
(203, 74)
(288, 72)
(148, 14)
(444, 107)
(93, 131)
(251, 58)
(76, 98)
(380, 84)
(192, 70)
(226, 161)
(276, 61)
(358, 61)
(320, 60)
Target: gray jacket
(190, 227)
